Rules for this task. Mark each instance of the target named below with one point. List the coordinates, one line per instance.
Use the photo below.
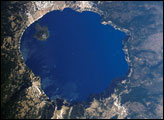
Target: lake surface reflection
(81, 56)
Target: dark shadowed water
(81, 56)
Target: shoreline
(127, 33)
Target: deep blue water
(81, 55)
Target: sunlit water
(81, 56)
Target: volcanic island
(41, 32)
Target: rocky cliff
(139, 94)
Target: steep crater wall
(21, 94)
